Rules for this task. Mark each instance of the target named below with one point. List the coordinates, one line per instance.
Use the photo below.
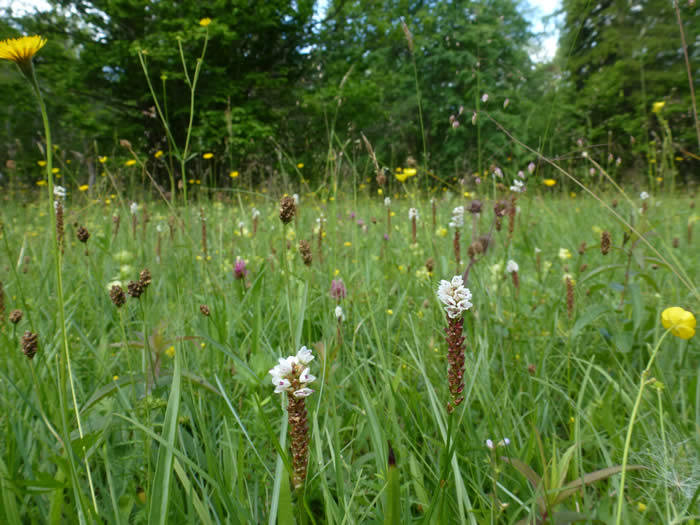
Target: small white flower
(339, 315)
(537, 250)
(518, 186)
(133, 208)
(489, 444)
(281, 384)
(485, 98)
(455, 296)
(512, 266)
(160, 228)
(564, 254)
(296, 199)
(505, 103)
(255, 213)
(306, 377)
(304, 392)
(531, 167)
(304, 355)
(387, 201)
(413, 213)
(457, 217)
(241, 224)
(59, 191)
(644, 195)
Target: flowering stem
(630, 427)
(59, 285)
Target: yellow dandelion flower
(401, 176)
(158, 154)
(204, 22)
(300, 165)
(55, 170)
(170, 352)
(380, 191)
(657, 106)
(208, 156)
(410, 172)
(41, 163)
(549, 182)
(233, 174)
(102, 159)
(130, 162)
(347, 244)
(390, 312)
(83, 187)
(22, 50)
(41, 183)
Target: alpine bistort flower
(457, 217)
(455, 296)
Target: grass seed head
(117, 295)
(30, 344)
(287, 209)
(16, 316)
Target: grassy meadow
(177, 420)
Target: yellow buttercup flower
(22, 50)
(657, 106)
(55, 170)
(401, 176)
(300, 165)
(158, 154)
(41, 163)
(233, 174)
(204, 22)
(549, 182)
(41, 183)
(681, 322)
(208, 156)
(409, 172)
(130, 162)
(83, 187)
(102, 159)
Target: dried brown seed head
(135, 289)
(82, 234)
(16, 316)
(287, 209)
(30, 344)
(205, 310)
(117, 295)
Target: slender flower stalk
(413, 216)
(203, 220)
(387, 204)
(512, 268)
(457, 223)
(21, 51)
(456, 299)
(340, 317)
(292, 375)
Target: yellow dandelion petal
(549, 182)
(300, 165)
(21, 50)
(41, 183)
(102, 159)
(233, 174)
(204, 22)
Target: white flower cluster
(296, 199)
(457, 217)
(59, 192)
(292, 374)
(387, 201)
(133, 208)
(455, 296)
(413, 213)
(339, 315)
(644, 195)
(518, 186)
(512, 266)
(255, 213)
(502, 443)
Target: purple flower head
(386, 236)
(352, 215)
(239, 269)
(478, 180)
(531, 167)
(360, 222)
(338, 290)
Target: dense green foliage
(278, 78)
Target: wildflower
(204, 22)
(287, 209)
(135, 289)
(30, 344)
(233, 174)
(82, 234)
(338, 290)
(518, 186)
(59, 192)
(456, 299)
(549, 182)
(531, 167)
(505, 103)
(387, 201)
(512, 266)
(83, 187)
(158, 154)
(130, 162)
(239, 269)
(485, 98)
(657, 106)
(569, 295)
(41, 163)
(681, 322)
(564, 254)
(300, 165)
(116, 294)
(292, 375)
(21, 51)
(339, 315)
(208, 156)
(296, 199)
(474, 118)
(413, 214)
(133, 208)
(644, 195)
(205, 310)
(305, 252)
(455, 296)
(497, 172)
(410, 172)
(457, 217)
(401, 176)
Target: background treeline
(282, 84)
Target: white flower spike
(455, 296)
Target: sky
(535, 13)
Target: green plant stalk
(630, 427)
(663, 441)
(420, 118)
(64, 362)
